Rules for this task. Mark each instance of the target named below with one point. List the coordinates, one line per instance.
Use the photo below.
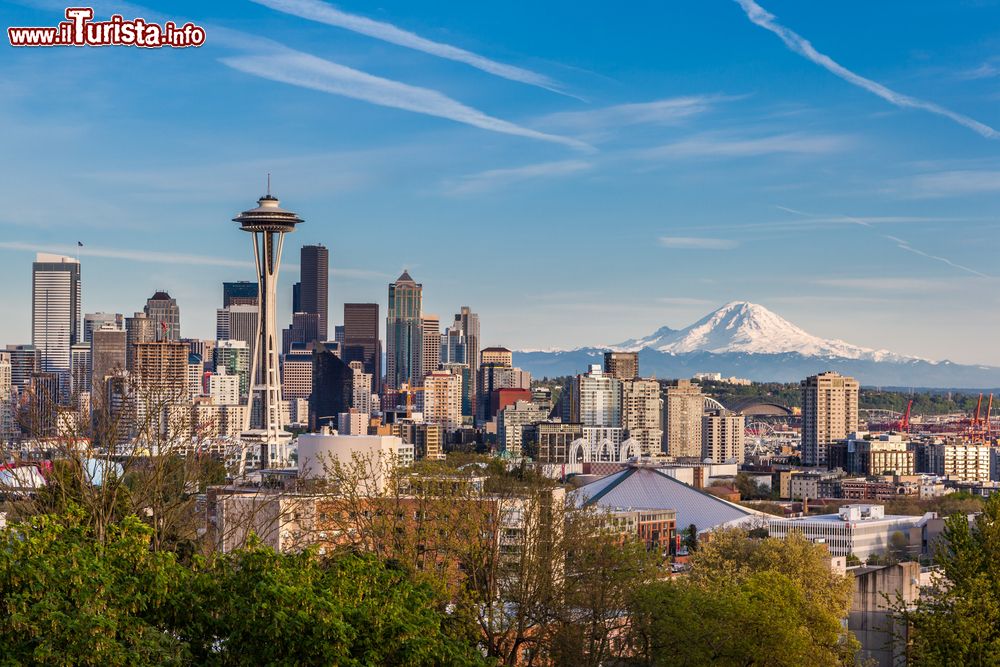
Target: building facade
(829, 413)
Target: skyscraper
(642, 413)
(829, 413)
(404, 345)
(361, 339)
(108, 357)
(430, 334)
(468, 323)
(166, 316)
(80, 361)
(268, 223)
(94, 321)
(138, 329)
(55, 314)
(622, 365)
(315, 279)
(23, 362)
(600, 406)
(722, 436)
(683, 405)
(240, 293)
(443, 400)
(333, 388)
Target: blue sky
(576, 174)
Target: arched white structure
(578, 447)
(630, 448)
(605, 451)
(712, 404)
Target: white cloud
(330, 15)
(497, 178)
(308, 71)
(697, 243)
(955, 183)
(718, 146)
(667, 111)
(803, 47)
(175, 259)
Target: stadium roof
(648, 488)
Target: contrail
(800, 45)
(321, 12)
(902, 244)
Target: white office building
(861, 530)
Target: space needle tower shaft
(268, 223)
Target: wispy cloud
(314, 10)
(803, 47)
(711, 146)
(498, 178)
(955, 183)
(308, 71)
(172, 258)
(697, 243)
(669, 111)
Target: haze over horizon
(820, 161)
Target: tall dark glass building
(333, 386)
(361, 339)
(314, 293)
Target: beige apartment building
(683, 405)
(829, 413)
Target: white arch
(712, 404)
(604, 450)
(577, 447)
(629, 448)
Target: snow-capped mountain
(749, 328)
(748, 340)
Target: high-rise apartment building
(622, 365)
(162, 366)
(430, 335)
(55, 314)
(361, 383)
(234, 356)
(296, 374)
(550, 442)
(498, 356)
(829, 413)
(361, 339)
(599, 400)
(722, 436)
(511, 422)
(162, 309)
(683, 405)
(642, 412)
(443, 400)
(403, 336)
(314, 298)
(80, 364)
(23, 362)
(224, 389)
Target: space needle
(268, 223)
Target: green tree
(757, 621)
(956, 621)
(730, 557)
(66, 598)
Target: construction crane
(904, 422)
(407, 389)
